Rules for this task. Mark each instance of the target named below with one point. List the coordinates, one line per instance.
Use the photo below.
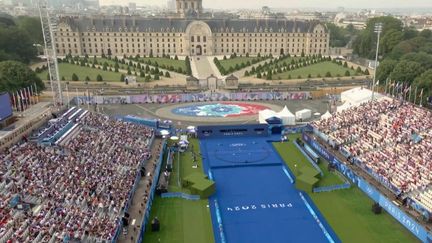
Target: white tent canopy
(326, 115)
(266, 114)
(286, 116)
(303, 114)
(357, 96)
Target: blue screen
(5, 106)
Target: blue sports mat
(256, 201)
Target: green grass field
(165, 61)
(347, 211)
(231, 62)
(66, 70)
(182, 221)
(314, 70)
(292, 156)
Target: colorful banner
(194, 97)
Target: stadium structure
(80, 175)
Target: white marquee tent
(285, 115)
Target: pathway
(138, 207)
(202, 67)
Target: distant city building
(189, 8)
(189, 34)
(171, 5)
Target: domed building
(190, 33)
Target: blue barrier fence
(407, 221)
(146, 216)
(180, 195)
(331, 188)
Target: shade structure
(164, 132)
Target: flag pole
(421, 98)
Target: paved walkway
(138, 206)
(202, 67)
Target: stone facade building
(188, 35)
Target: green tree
(156, 77)
(246, 74)
(75, 77)
(32, 26)
(367, 39)
(269, 76)
(385, 68)
(259, 75)
(328, 74)
(99, 78)
(129, 72)
(167, 74)
(105, 66)
(122, 77)
(188, 66)
(421, 57)
(347, 73)
(424, 81)
(390, 40)
(16, 75)
(147, 78)
(16, 44)
(407, 71)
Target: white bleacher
(380, 135)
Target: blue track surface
(255, 200)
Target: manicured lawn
(182, 221)
(67, 69)
(347, 211)
(166, 62)
(233, 61)
(292, 156)
(314, 70)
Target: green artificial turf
(182, 221)
(292, 156)
(347, 211)
(349, 214)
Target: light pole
(378, 29)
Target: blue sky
(294, 3)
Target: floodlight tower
(378, 30)
(49, 25)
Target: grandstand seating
(390, 137)
(76, 190)
(424, 198)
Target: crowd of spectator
(391, 137)
(73, 192)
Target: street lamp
(378, 29)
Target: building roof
(142, 24)
(232, 77)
